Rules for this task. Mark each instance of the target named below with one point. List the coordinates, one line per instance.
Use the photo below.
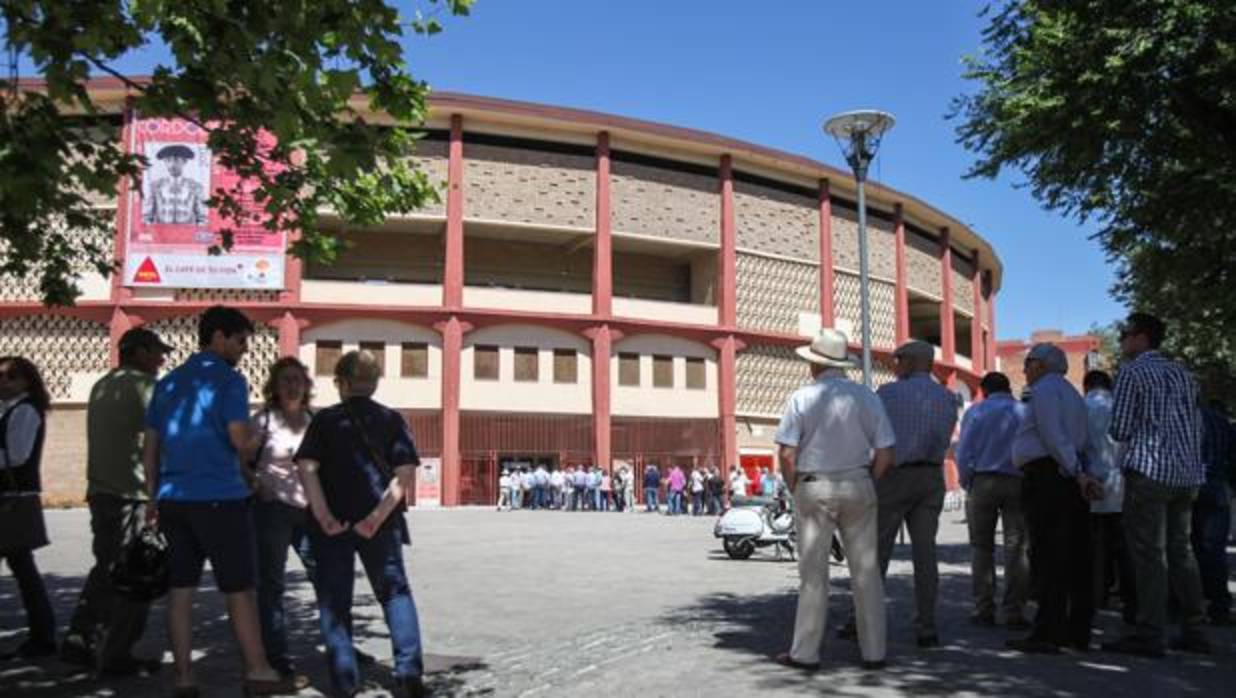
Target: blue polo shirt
(190, 409)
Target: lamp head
(858, 133)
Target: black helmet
(141, 572)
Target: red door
(751, 464)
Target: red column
(828, 317)
(727, 267)
(452, 347)
(603, 250)
(602, 341)
(901, 290)
(120, 292)
(293, 272)
(727, 398)
(991, 322)
(453, 264)
(977, 359)
(120, 323)
(948, 334)
(289, 334)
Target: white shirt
(835, 424)
(23, 430)
(277, 474)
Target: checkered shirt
(923, 414)
(1156, 414)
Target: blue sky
(770, 74)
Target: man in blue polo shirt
(197, 426)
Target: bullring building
(591, 289)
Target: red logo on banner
(147, 273)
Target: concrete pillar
(828, 316)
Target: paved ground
(557, 604)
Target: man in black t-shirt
(357, 461)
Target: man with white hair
(1050, 448)
(835, 442)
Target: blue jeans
(650, 499)
(1212, 516)
(280, 527)
(675, 503)
(382, 558)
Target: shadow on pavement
(971, 660)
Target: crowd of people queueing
(184, 456)
(1128, 487)
(697, 491)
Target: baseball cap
(142, 338)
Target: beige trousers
(846, 502)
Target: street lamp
(859, 133)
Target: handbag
(142, 572)
(21, 517)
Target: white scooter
(757, 522)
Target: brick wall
(963, 288)
(923, 264)
(664, 203)
(765, 377)
(777, 222)
(64, 457)
(432, 158)
(529, 186)
(881, 243)
(772, 292)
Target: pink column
(602, 341)
(289, 334)
(727, 398)
(976, 325)
(828, 316)
(119, 292)
(120, 323)
(293, 272)
(452, 347)
(603, 251)
(453, 264)
(901, 290)
(948, 334)
(727, 268)
(991, 322)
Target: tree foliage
(293, 68)
(1124, 112)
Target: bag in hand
(141, 572)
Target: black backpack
(141, 573)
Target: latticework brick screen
(14, 289)
(225, 295)
(766, 375)
(60, 346)
(847, 303)
(181, 333)
(772, 292)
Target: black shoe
(849, 631)
(412, 687)
(784, 659)
(30, 650)
(1030, 645)
(131, 666)
(75, 651)
(987, 620)
(363, 658)
(1135, 646)
(1193, 644)
(926, 641)
(874, 665)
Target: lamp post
(859, 133)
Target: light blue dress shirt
(987, 432)
(1056, 426)
(923, 414)
(1102, 453)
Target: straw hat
(829, 348)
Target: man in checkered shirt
(1157, 417)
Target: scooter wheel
(738, 548)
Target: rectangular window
(378, 349)
(566, 367)
(326, 354)
(662, 371)
(628, 369)
(696, 379)
(414, 358)
(525, 364)
(485, 363)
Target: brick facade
(529, 186)
(664, 203)
(773, 292)
(777, 222)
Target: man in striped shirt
(1155, 413)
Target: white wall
(665, 310)
(535, 301)
(506, 393)
(679, 401)
(393, 390)
(362, 293)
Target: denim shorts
(221, 531)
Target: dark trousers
(104, 622)
(1212, 517)
(1058, 520)
(280, 528)
(1112, 564)
(382, 558)
(39, 618)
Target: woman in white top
(281, 509)
(504, 490)
(738, 482)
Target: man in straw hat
(835, 442)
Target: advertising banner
(429, 483)
(169, 228)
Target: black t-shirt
(352, 482)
